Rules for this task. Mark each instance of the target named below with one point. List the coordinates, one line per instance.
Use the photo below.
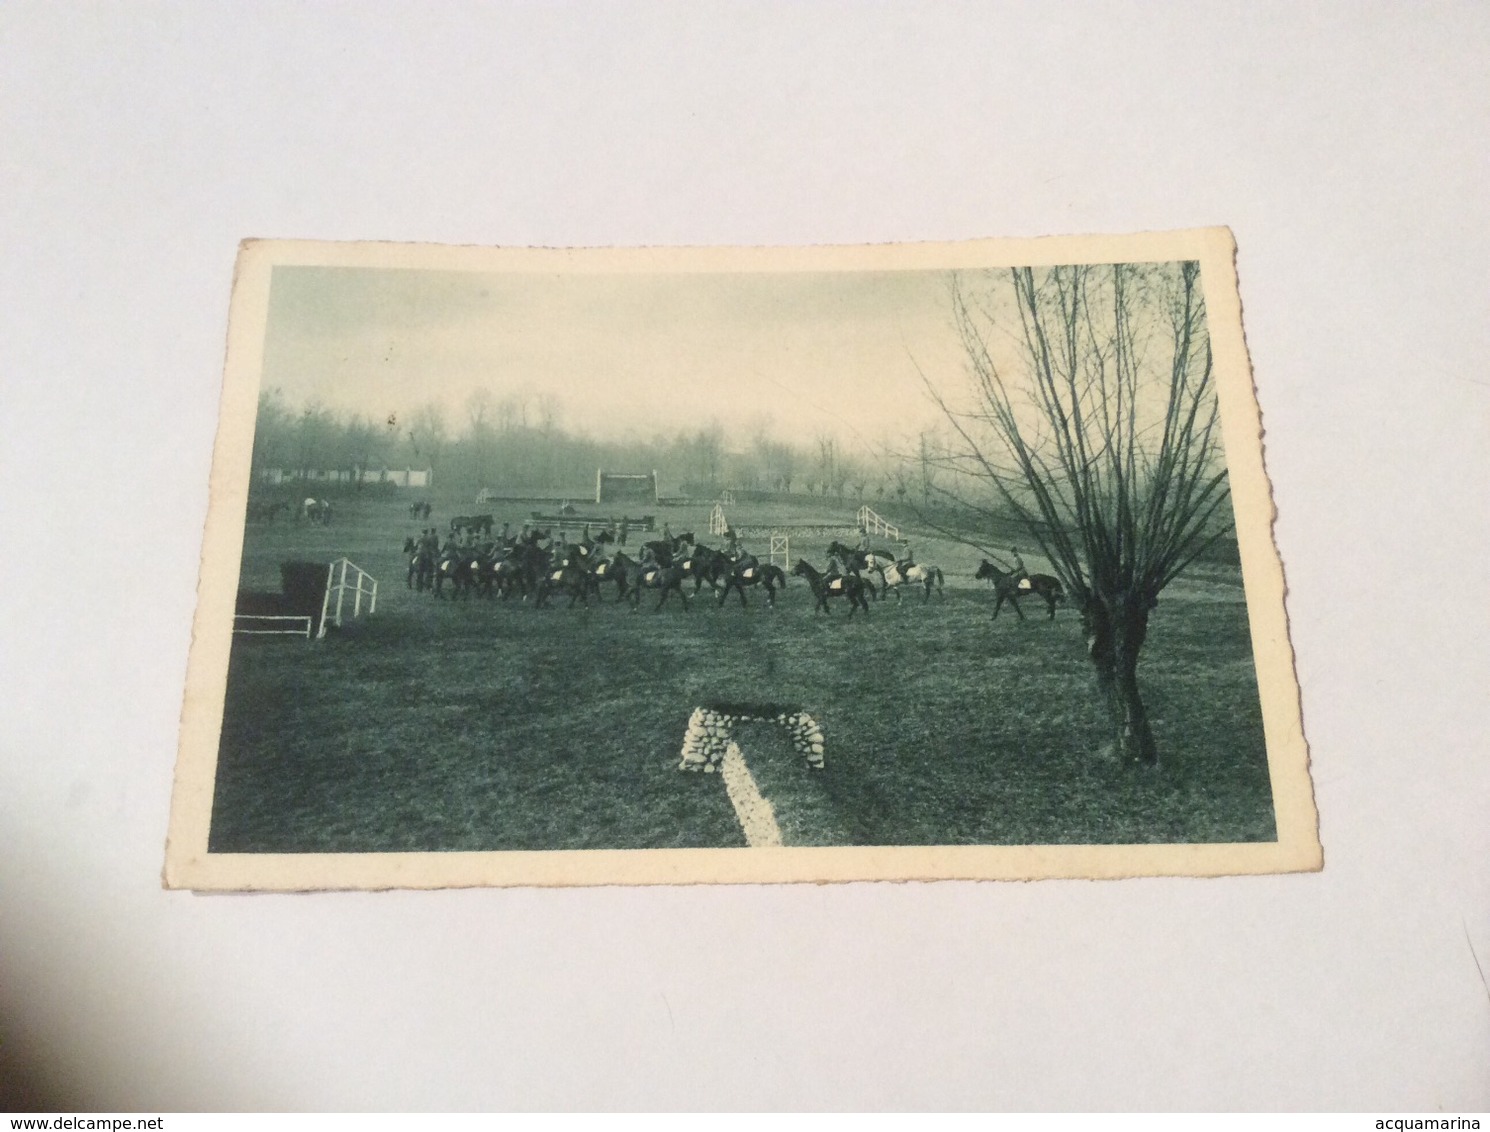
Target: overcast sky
(625, 354)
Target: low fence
(872, 522)
(645, 523)
(312, 595)
(799, 530)
(272, 625)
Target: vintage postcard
(678, 566)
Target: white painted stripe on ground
(757, 818)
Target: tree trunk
(1115, 631)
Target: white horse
(927, 577)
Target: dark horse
(520, 570)
(1007, 588)
(705, 564)
(618, 569)
(667, 579)
(571, 578)
(863, 562)
(663, 551)
(749, 572)
(825, 586)
(458, 569)
(421, 564)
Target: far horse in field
(316, 512)
(262, 512)
(1007, 588)
(825, 586)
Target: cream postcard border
(190, 865)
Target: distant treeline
(518, 455)
(511, 452)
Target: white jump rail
(337, 583)
(872, 522)
(717, 523)
(302, 627)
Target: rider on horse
(1019, 573)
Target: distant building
(399, 477)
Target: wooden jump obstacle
(645, 523)
(362, 583)
(781, 544)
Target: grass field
(436, 725)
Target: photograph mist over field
(617, 358)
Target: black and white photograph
(741, 558)
(539, 552)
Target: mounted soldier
(1020, 575)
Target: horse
(508, 573)
(316, 511)
(486, 572)
(862, 562)
(421, 564)
(825, 586)
(915, 574)
(569, 577)
(668, 579)
(749, 572)
(455, 567)
(663, 551)
(705, 564)
(521, 569)
(618, 568)
(419, 510)
(266, 512)
(1005, 586)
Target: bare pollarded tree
(1095, 421)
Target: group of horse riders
(532, 562)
